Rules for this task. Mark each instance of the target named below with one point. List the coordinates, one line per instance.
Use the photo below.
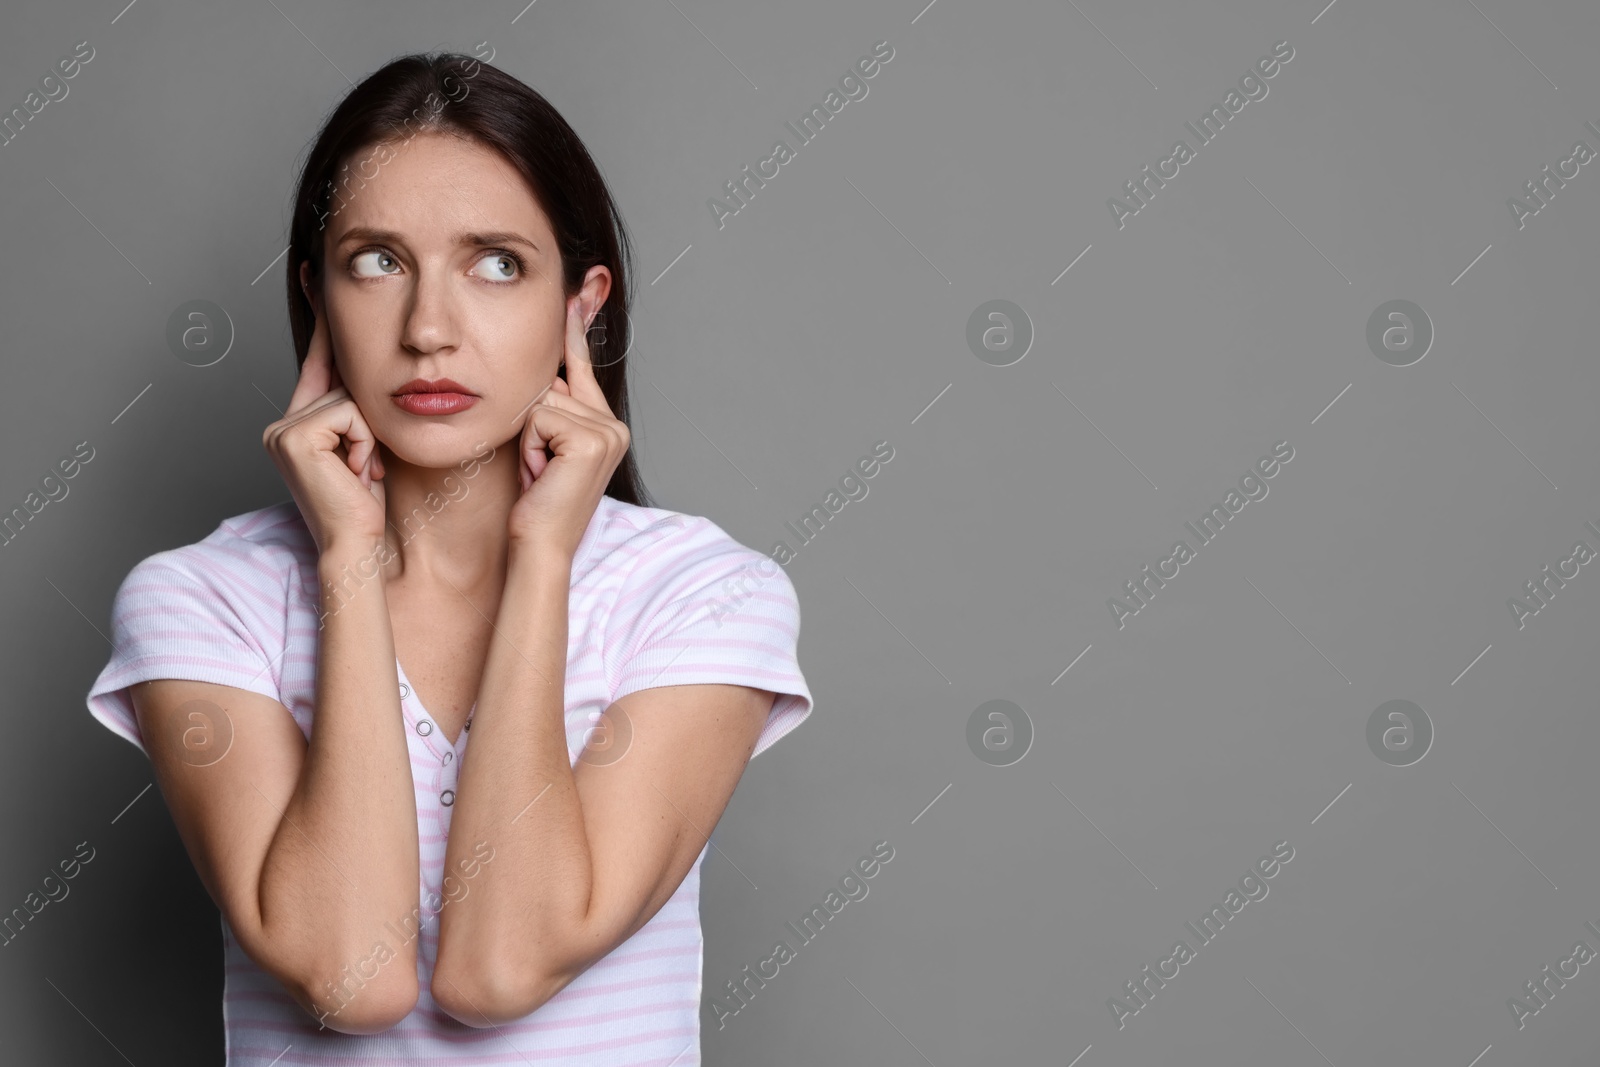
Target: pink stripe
(269, 1054)
(425, 1022)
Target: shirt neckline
(591, 535)
(413, 721)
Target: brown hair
(453, 93)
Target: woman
(466, 535)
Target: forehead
(433, 186)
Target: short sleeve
(207, 612)
(699, 607)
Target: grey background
(830, 314)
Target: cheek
(521, 353)
(355, 342)
(535, 333)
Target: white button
(448, 797)
(405, 690)
(424, 727)
(448, 756)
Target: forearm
(520, 923)
(345, 858)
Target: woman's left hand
(572, 419)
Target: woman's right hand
(327, 454)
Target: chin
(435, 443)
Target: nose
(430, 319)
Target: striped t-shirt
(658, 598)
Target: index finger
(316, 373)
(581, 381)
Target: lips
(439, 385)
(441, 396)
(434, 403)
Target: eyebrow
(467, 240)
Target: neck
(448, 528)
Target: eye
(505, 265)
(383, 259)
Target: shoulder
(211, 611)
(671, 577)
(691, 605)
(249, 557)
(647, 548)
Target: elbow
(352, 1003)
(486, 995)
(347, 990)
(367, 997)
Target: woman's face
(441, 266)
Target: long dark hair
(453, 93)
